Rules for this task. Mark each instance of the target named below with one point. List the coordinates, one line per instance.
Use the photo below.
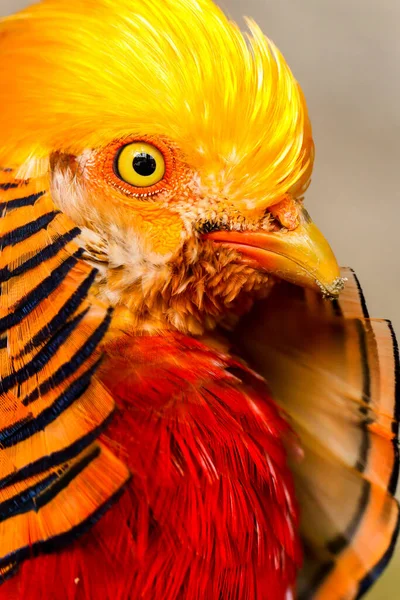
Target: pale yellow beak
(301, 256)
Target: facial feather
(190, 287)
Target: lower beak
(302, 256)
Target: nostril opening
(210, 226)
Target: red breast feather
(209, 513)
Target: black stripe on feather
(44, 254)
(26, 231)
(24, 501)
(59, 541)
(341, 541)
(366, 396)
(29, 302)
(40, 494)
(377, 571)
(76, 468)
(56, 458)
(22, 430)
(21, 202)
(12, 185)
(396, 417)
(45, 354)
(69, 368)
(361, 296)
(68, 309)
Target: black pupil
(144, 164)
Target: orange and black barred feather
(335, 371)
(54, 477)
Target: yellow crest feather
(78, 74)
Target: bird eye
(140, 164)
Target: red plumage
(210, 509)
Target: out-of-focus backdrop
(346, 55)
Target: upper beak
(301, 256)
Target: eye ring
(109, 158)
(139, 164)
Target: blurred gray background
(346, 56)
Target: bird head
(180, 146)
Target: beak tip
(332, 290)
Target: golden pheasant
(183, 415)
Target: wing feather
(334, 371)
